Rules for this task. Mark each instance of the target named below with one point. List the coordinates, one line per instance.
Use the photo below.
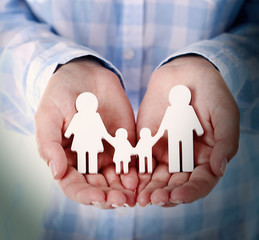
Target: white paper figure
(123, 150)
(180, 120)
(88, 129)
(144, 149)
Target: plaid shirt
(133, 38)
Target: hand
(56, 109)
(219, 116)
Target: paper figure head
(145, 132)
(121, 133)
(86, 101)
(180, 95)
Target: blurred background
(24, 186)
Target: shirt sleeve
(236, 55)
(30, 51)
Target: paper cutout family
(179, 121)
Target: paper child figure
(180, 120)
(123, 150)
(144, 149)
(88, 129)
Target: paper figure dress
(88, 130)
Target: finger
(118, 195)
(159, 180)
(99, 181)
(96, 180)
(144, 179)
(130, 181)
(48, 124)
(201, 182)
(226, 130)
(113, 197)
(160, 196)
(75, 187)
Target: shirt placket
(132, 45)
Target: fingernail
(96, 203)
(115, 205)
(223, 165)
(53, 168)
(148, 204)
(160, 203)
(126, 205)
(176, 201)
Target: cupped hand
(219, 116)
(56, 109)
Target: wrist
(84, 67)
(79, 62)
(191, 59)
(83, 75)
(190, 70)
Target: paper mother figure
(89, 130)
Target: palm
(106, 187)
(54, 114)
(169, 189)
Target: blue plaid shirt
(133, 38)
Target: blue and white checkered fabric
(133, 38)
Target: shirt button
(128, 54)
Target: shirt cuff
(223, 57)
(42, 68)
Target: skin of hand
(56, 109)
(219, 116)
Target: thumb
(226, 131)
(48, 125)
(55, 158)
